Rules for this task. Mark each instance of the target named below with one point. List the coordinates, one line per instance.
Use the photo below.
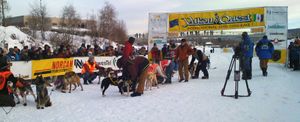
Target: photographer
(246, 54)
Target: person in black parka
(201, 65)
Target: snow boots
(264, 72)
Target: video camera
(237, 52)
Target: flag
(258, 17)
(173, 23)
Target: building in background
(22, 21)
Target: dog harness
(152, 68)
(3, 76)
(113, 82)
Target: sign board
(101, 61)
(277, 23)
(57, 66)
(216, 20)
(51, 67)
(21, 69)
(158, 29)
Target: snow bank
(12, 36)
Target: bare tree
(70, 20)
(92, 26)
(119, 32)
(38, 19)
(107, 20)
(57, 39)
(4, 9)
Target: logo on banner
(276, 26)
(105, 63)
(78, 63)
(174, 23)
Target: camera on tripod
(237, 71)
(237, 52)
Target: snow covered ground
(274, 98)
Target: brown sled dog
(71, 78)
(23, 88)
(43, 99)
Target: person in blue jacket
(264, 50)
(246, 47)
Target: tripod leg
(236, 89)
(232, 62)
(248, 89)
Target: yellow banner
(51, 67)
(216, 20)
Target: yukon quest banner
(216, 20)
(51, 67)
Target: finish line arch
(272, 20)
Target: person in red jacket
(127, 56)
(155, 52)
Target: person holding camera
(264, 50)
(246, 48)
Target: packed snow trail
(274, 98)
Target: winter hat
(244, 34)
(265, 37)
(131, 40)
(91, 58)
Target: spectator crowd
(64, 51)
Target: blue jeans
(169, 71)
(175, 66)
(89, 77)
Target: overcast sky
(135, 12)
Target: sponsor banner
(21, 69)
(216, 20)
(158, 29)
(277, 23)
(51, 67)
(101, 61)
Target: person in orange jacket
(88, 70)
(6, 95)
